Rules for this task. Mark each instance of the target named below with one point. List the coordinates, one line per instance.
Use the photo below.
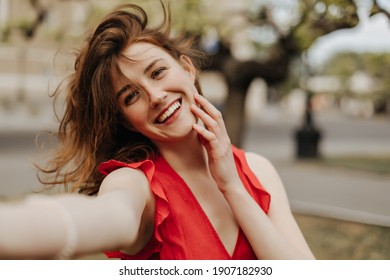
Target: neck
(188, 154)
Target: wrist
(233, 189)
(70, 243)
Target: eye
(158, 72)
(131, 97)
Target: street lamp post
(308, 136)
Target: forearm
(23, 228)
(265, 238)
(42, 229)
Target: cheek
(136, 117)
(185, 84)
(192, 91)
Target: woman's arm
(275, 236)
(40, 229)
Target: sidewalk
(336, 193)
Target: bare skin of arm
(115, 219)
(281, 236)
(272, 236)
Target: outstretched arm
(45, 226)
(272, 236)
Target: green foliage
(24, 26)
(343, 64)
(375, 65)
(5, 33)
(346, 63)
(319, 18)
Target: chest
(214, 205)
(202, 214)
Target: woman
(171, 186)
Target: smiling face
(156, 95)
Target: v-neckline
(203, 213)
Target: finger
(210, 123)
(207, 137)
(215, 148)
(211, 110)
(208, 107)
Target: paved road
(312, 189)
(273, 137)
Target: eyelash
(130, 97)
(158, 72)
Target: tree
(373, 65)
(308, 20)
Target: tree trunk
(234, 116)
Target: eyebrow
(146, 70)
(121, 91)
(151, 65)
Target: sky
(371, 35)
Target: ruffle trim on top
(264, 198)
(152, 248)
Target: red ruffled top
(182, 229)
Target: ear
(188, 66)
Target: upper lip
(165, 109)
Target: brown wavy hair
(91, 130)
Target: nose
(157, 98)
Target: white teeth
(169, 112)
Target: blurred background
(304, 83)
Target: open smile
(168, 112)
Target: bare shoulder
(129, 186)
(129, 190)
(266, 173)
(125, 179)
(257, 161)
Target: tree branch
(377, 9)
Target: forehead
(142, 51)
(136, 61)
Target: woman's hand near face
(217, 143)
